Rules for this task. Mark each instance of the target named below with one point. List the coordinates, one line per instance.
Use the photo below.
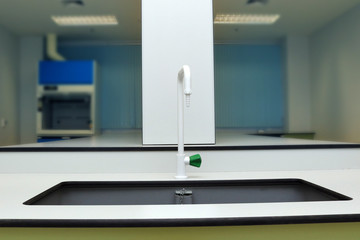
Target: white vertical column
(31, 52)
(175, 33)
(9, 84)
(298, 92)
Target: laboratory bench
(25, 173)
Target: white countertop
(24, 175)
(17, 188)
(133, 138)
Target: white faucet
(184, 87)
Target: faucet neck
(183, 87)
(180, 117)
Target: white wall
(31, 52)
(9, 61)
(297, 85)
(175, 33)
(335, 73)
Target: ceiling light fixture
(260, 2)
(85, 20)
(73, 3)
(253, 19)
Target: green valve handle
(195, 160)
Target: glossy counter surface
(17, 188)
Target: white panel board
(175, 33)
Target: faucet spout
(184, 88)
(184, 78)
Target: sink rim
(194, 183)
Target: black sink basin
(184, 192)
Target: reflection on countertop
(129, 138)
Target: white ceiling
(300, 17)
(29, 17)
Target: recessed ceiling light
(85, 20)
(73, 3)
(260, 2)
(246, 18)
